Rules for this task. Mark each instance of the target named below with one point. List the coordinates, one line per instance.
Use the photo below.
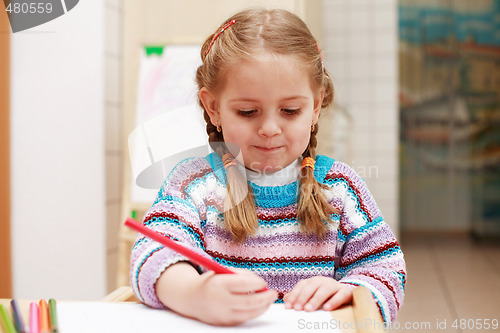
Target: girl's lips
(268, 149)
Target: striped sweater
(358, 249)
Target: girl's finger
(253, 302)
(290, 298)
(343, 296)
(322, 294)
(306, 292)
(244, 283)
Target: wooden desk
(361, 316)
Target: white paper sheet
(100, 317)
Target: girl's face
(266, 107)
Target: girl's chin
(264, 168)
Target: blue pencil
(18, 320)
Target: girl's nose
(269, 126)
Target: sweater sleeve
(368, 252)
(175, 215)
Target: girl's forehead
(270, 63)
(265, 75)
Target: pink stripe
(272, 250)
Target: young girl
(303, 226)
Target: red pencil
(178, 247)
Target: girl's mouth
(268, 149)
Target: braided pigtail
(240, 217)
(313, 210)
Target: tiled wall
(360, 51)
(113, 128)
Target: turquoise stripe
(136, 275)
(372, 258)
(376, 221)
(350, 191)
(186, 203)
(402, 280)
(322, 167)
(341, 237)
(275, 196)
(276, 266)
(217, 166)
(139, 242)
(179, 165)
(356, 199)
(278, 223)
(183, 227)
(290, 221)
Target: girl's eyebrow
(243, 99)
(289, 98)
(300, 97)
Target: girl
(303, 226)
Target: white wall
(360, 50)
(57, 162)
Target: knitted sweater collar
(284, 176)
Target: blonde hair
(277, 32)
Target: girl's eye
(247, 113)
(291, 111)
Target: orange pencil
(44, 317)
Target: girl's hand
(216, 299)
(318, 292)
(231, 299)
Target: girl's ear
(317, 106)
(209, 102)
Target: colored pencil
(34, 318)
(53, 315)
(7, 324)
(44, 317)
(18, 320)
(178, 247)
(193, 256)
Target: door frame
(5, 214)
